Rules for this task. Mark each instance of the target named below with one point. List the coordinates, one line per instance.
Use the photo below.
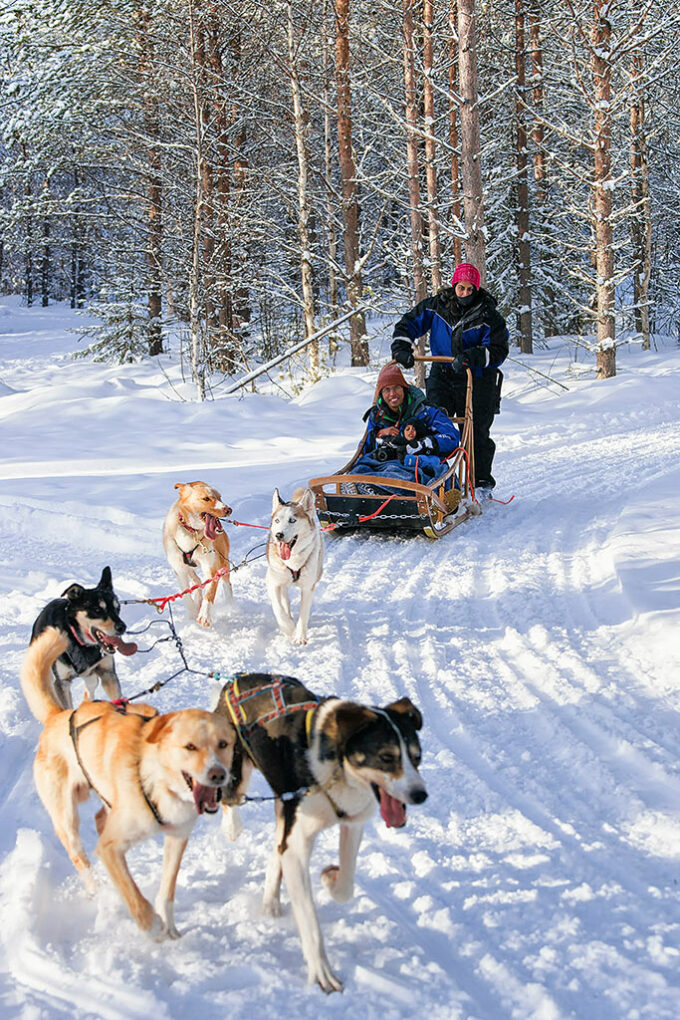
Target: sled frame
(404, 505)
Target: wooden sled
(435, 509)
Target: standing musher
(463, 323)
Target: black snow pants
(448, 389)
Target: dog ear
(406, 707)
(346, 721)
(307, 501)
(73, 593)
(105, 580)
(158, 726)
(277, 501)
(179, 485)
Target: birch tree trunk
(299, 128)
(640, 221)
(602, 199)
(430, 149)
(350, 203)
(522, 212)
(473, 197)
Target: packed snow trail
(540, 877)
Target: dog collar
(76, 635)
(187, 527)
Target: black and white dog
(330, 762)
(89, 618)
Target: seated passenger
(405, 437)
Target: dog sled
(346, 500)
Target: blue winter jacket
(434, 423)
(478, 331)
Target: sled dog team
(328, 760)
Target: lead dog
(154, 774)
(329, 762)
(195, 542)
(294, 558)
(89, 619)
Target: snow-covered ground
(540, 640)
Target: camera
(387, 450)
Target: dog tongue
(124, 647)
(212, 526)
(284, 550)
(205, 798)
(392, 811)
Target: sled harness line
(186, 668)
(161, 601)
(235, 702)
(74, 733)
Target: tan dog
(155, 774)
(294, 557)
(195, 544)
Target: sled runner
(346, 500)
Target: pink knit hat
(466, 273)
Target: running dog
(154, 774)
(294, 557)
(89, 620)
(329, 762)
(195, 542)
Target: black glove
(475, 357)
(402, 352)
(422, 446)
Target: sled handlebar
(433, 357)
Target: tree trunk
(522, 212)
(154, 186)
(640, 221)
(604, 250)
(456, 211)
(473, 197)
(350, 204)
(197, 345)
(430, 149)
(412, 162)
(328, 177)
(300, 128)
(45, 262)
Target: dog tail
(36, 678)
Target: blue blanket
(428, 469)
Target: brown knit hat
(390, 375)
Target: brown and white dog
(154, 774)
(195, 544)
(294, 559)
(329, 762)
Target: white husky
(294, 557)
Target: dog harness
(238, 704)
(74, 733)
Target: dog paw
(272, 907)
(319, 973)
(299, 637)
(331, 881)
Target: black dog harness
(74, 733)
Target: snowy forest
(242, 174)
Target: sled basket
(345, 500)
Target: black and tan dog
(89, 620)
(330, 762)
